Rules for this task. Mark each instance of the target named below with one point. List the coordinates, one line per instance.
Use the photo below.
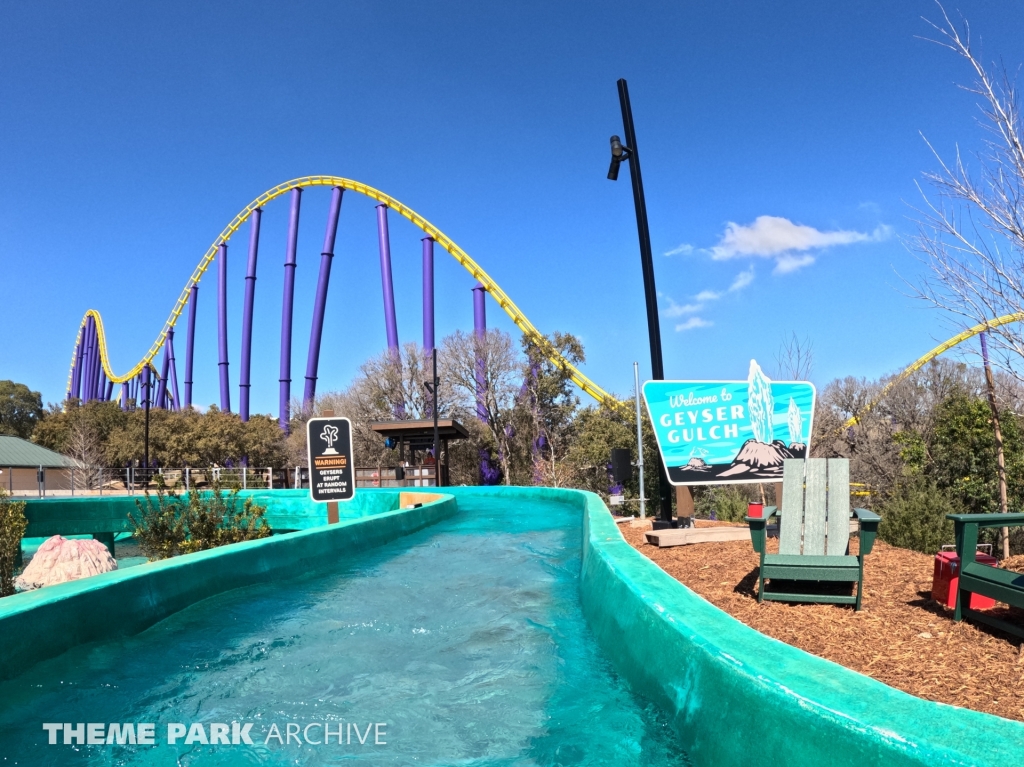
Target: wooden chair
(814, 532)
(1004, 586)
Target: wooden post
(684, 505)
(332, 506)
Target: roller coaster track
(463, 258)
(940, 349)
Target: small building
(20, 464)
(416, 437)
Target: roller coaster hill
(91, 376)
(156, 375)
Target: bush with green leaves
(170, 524)
(914, 516)
(728, 502)
(12, 528)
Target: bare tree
(86, 448)
(496, 359)
(388, 387)
(794, 360)
(972, 235)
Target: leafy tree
(914, 517)
(191, 438)
(20, 409)
(598, 429)
(727, 502)
(12, 527)
(546, 409)
(80, 430)
(963, 454)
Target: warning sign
(329, 442)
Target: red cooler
(946, 578)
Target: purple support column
(285, 378)
(250, 294)
(125, 394)
(86, 358)
(320, 304)
(173, 368)
(428, 295)
(76, 376)
(480, 331)
(90, 354)
(190, 343)
(110, 391)
(161, 387)
(222, 327)
(97, 362)
(390, 323)
(84, 374)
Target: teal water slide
(731, 695)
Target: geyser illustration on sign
(723, 432)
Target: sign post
(331, 474)
(730, 432)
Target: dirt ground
(900, 637)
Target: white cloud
(678, 310)
(743, 279)
(788, 262)
(693, 322)
(778, 238)
(682, 250)
(708, 295)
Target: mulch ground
(901, 636)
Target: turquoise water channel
(463, 644)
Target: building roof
(17, 453)
(448, 428)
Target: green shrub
(914, 517)
(170, 525)
(728, 502)
(12, 527)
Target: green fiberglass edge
(286, 510)
(43, 624)
(739, 697)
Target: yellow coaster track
(940, 349)
(440, 238)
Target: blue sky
(771, 134)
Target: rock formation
(60, 560)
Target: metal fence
(43, 483)
(50, 483)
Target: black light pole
(145, 386)
(432, 388)
(621, 153)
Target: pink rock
(60, 560)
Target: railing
(41, 483)
(387, 476)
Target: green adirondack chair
(814, 532)
(1001, 585)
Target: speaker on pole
(622, 465)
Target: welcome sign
(727, 432)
